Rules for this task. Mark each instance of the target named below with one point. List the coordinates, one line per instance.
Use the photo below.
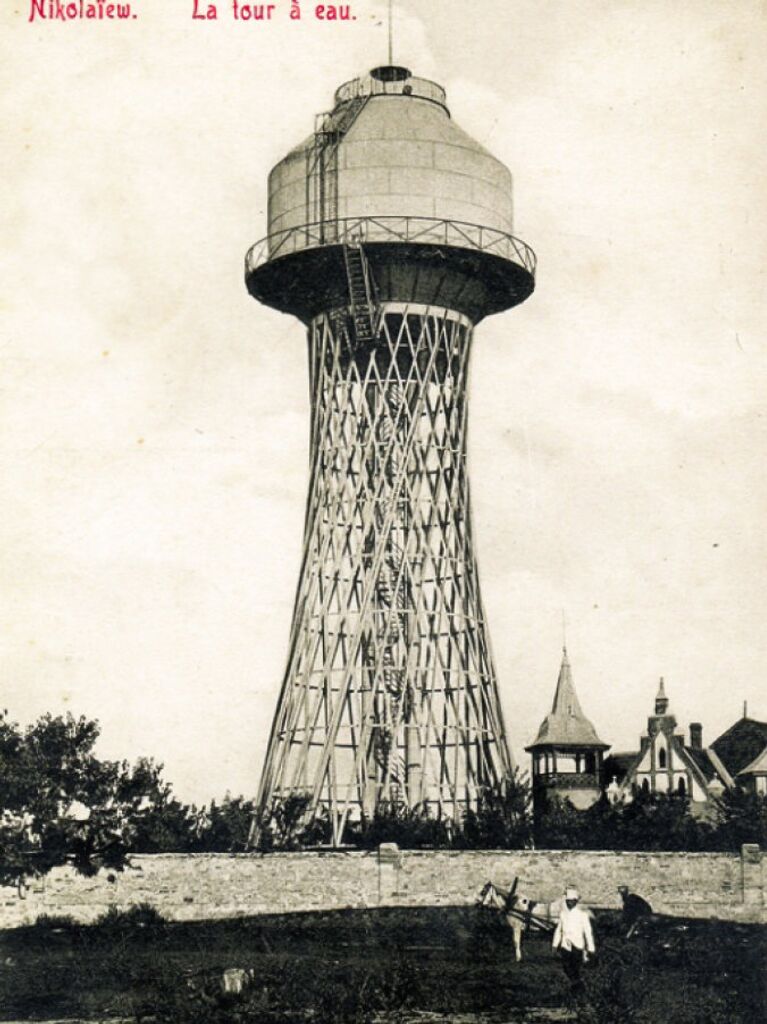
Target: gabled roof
(720, 769)
(703, 761)
(758, 766)
(617, 765)
(696, 761)
(741, 743)
(566, 725)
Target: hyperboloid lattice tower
(390, 238)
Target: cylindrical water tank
(403, 155)
(388, 168)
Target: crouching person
(635, 910)
(574, 939)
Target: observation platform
(474, 269)
(391, 80)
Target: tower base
(390, 693)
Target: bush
(741, 817)
(140, 917)
(289, 826)
(503, 818)
(410, 828)
(560, 826)
(225, 827)
(656, 821)
(651, 821)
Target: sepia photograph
(382, 546)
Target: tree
(61, 804)
(503, 817)
(560, 825)
(394, 822)
(226, 826)
(650, 821)
(658, 821)
(741, 817)
(158, 822)
(56, 799)
(290, 826)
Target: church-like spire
(566, 724)
(565, 697)
(661, 700)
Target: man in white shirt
(574, 938)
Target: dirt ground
(424, 965)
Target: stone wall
(200, 886)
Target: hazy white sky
(155, 418)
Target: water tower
(390, 237)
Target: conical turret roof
(566, 725)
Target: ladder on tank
(362, 299)
(322, 173)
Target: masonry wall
(204, 886)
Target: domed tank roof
(389, 148)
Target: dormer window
(662, 757)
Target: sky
(154, 418)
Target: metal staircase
(322, 171)
(362, 299)
(322, 196)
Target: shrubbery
(412, 828)
(60, 804)
(136, 918)
(654, 821)
(504, 819)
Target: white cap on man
(572, 894)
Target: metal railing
(421, 230)
(366, 85)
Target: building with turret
(665, 763)
(567, 752)
(569, 760)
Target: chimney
(696, 736)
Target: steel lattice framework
(390, 694)
(390, 691)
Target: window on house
(681, 786)
(662, 758)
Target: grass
(349, 967)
